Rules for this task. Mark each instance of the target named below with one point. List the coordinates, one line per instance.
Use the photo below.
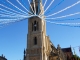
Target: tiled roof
(3, 58)
(67, 49)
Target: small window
(35, 40)
(36, 9)
(35, 26)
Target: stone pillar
(27, 57)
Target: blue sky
(13, 37)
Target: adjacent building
(2, 57)
(68, 52)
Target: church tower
(36, 38)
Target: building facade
(2, 57)
(39, 46)
(36, 43)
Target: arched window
(35, 40)
(35, 26)
(36, 9)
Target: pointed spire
(70, 45)
(58, 49)
(58, 46)
(74, 51)
(37, 0)
(24, 52)
(2, 55)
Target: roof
(66, 49)
(3, 58)
(53, 54)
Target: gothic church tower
(36, 38)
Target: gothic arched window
(35, 26)
(35, 40)
(36, 9)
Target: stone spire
(24, 54)
(36, 0)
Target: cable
(64, 9)
(70, 19)
(64, 16)
(48, 6)
(54, 7)
(66, 24)
(23, 6)
(16, 7)
(11, 9)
